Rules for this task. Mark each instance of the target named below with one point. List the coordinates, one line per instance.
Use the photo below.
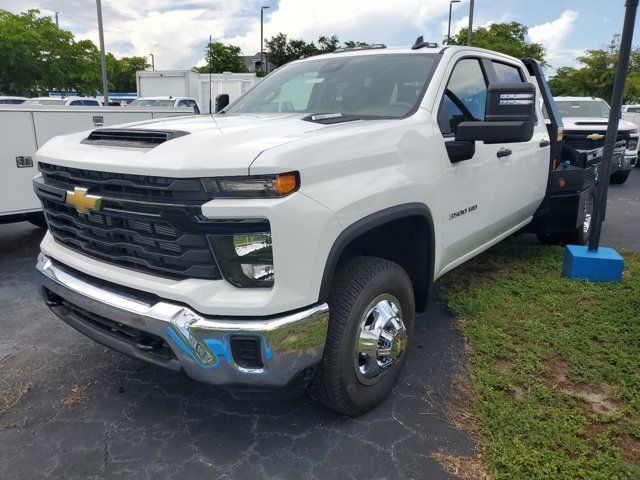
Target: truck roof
(383, 50)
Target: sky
(176, 32)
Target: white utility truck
(288, 240)
(585, 124)
(25, 128)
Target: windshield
(142, 102)
(583, 108)
(362, 86)
(45, 101)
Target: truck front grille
(579, 140)
(126, 186)
(148, 234)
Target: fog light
(246, 259)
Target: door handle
(503, 152)
(544, 143)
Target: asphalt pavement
(76, 410)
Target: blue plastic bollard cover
(605, 265)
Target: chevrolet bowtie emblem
(83, 202)
(595, 136)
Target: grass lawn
(554, 380)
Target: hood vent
(591, 123)
(126, 137)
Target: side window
(76, 102)
(182, 103)
(465, 96)
(507, 73)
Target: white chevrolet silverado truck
(287, 241)
(585, 124)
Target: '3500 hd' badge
(464, 211)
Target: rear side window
(465, 97)
(507, 73)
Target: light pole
(449, 29)
(612, 126)
(470, 23)
(262, 9)
(153, 62)
(103, 59)
(57, 23)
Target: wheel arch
(378, 234)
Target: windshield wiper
(330, 118)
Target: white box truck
(25, 129)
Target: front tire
(619, 177)
(372, 314)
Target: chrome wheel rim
(381, 339)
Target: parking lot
(77, 410)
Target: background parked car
(11, 100)
(167, 101)
(585, 124)
(73, 101)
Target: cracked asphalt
(77, 410)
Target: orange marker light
(287, 183)
(562, 182)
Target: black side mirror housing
(460, 150)
(222, 101)
(510, 115)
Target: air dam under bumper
(220, 351)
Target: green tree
(280, 49)
(222, 58)
(508, 38)
(595, 75)
(352, 44)
(122, 72)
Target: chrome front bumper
(177, 337)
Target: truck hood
(215, 145)
(594, 124)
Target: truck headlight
(253, 186)
(244, 259)
(632, 143)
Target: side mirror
(222, 101)
(510, 115)
(460, 150)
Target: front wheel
(372, 313)
(619, 177)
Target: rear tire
(619, 177)
(361, 362)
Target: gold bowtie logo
(83, 202)
(595, 136)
